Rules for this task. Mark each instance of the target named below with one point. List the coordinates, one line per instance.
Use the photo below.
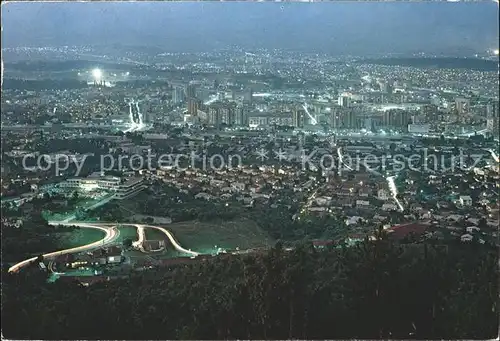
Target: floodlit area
(136, 118)
(97, 74)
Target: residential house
(353, 220)
(203, 195)
(471, 229)
(465, 200)
(389, 207)
(362, 203)
(364, 192)
(239, 186)
(383, 194)
(466, 238)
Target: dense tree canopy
(373, 290)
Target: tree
(337, 293)
(482, 223)
(127, 243)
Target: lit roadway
(172, 240)
(135, 116)
(111, 235)
(394, 191)
(142, 237)
(389, 179)
(170, 236)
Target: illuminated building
(492, 125)
(492, 110)
(349, 119)
(248, 95)
(344, 101)
(335, 118)
(122, 187)
(241, 117)
(191, 91)
(462, 105)
(281, 120)
(397, 118)
(228, 113)
(214, 115)
(258, 119)
(492, 119)
(221, 113)
(298, 117)
(419, 128)
(386, 87)
(178, 95)
(193, 106)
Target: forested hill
(371, 291)
(441, 63)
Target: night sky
(337, 28)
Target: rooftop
(401, 231)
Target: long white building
(122, 187)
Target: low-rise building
(389, 207)
(122, 187)
(465, 200)
(363, 203)
(466, 237)
(383, 194)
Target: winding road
(112, 233)
(142, 237)
(172, 240)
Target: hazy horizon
(336, 28)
